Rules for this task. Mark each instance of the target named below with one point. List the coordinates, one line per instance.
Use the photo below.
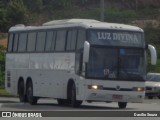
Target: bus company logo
(118, 87)
(6, 114)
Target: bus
(76, 60)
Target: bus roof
(85, 23)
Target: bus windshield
(116, 63)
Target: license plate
(117, 97)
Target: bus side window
(31, 42)
(50, 41)
(10, 42)
(81, 38)
(71, 40)
(53, 41)
(15, 43)
(41, 36)
(22, 42)
(60, 40)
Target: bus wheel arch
(21, 90)
(29, 91)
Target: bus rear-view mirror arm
(153, 54)
(86, 52)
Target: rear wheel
(31, 99)
(21, 92)
(122, 105)
(74, 102)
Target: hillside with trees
(35, 12)
(142, 13)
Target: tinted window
(15, 42)
(71, 39)
(50, 41)
(31, 42)
(60, 40)
(10, 42)
(81, 38)
(22, 42)
(40, 41)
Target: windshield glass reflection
(113, 63)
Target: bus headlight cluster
(95, 87)
(139, 89)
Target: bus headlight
(95, 87)
(139, 89)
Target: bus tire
(62, 101)
(21, 92)
(122, 105)
(74, 103)
(31, 99)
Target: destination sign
(117, 38)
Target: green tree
(34, 5)
(17, 12)
(4, 3)
(60, 4)
(3, 20)
(2, 66)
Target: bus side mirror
(153, 54)
(86, 51)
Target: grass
(4, 93)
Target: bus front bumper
(115, 97)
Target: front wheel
(74, 102)
(31, 99)
(122, 105)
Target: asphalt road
(8, 104)
(13, 104)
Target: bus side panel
(81, 87)
(15, 67)
(10, 74)
(40, 67)
(50, 73)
